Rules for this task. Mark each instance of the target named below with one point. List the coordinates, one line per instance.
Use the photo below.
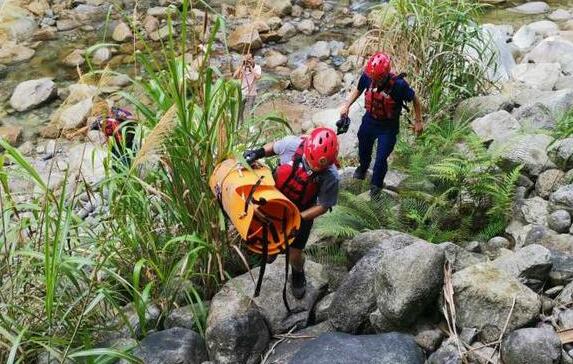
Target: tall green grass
(159, 239)
(454, 190)
(440, 46)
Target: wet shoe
(359, 173)
(298, 284)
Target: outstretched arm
(352, 96)
(313, 212)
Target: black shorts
(302, 235)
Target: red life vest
(295, 183)
(111, 127)
(379, 103)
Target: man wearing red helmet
(308, 177)
(385, 96)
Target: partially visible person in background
(249, 73)
(116, 124)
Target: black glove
(342, 124)
(252, 155)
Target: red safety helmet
(378, 66)
(321, 149)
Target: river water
(47, 60)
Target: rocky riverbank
(510, 297)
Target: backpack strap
(401, 76)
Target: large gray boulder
(459, 257)
(483, 296)
(562, 198)
(286, 349)
(561, 268)
(566, 295)
(559, 221)
(327, 81)
(301, 78)
(186, 316)
(33, 93)
(245, 37)
(561, 153)
(320, 50)
(534, 116)
(172, 346)
(544, 28)
(270, 301)
(532, 8)
(357, 247)
(527, 150)
(322, 307)
(73, 116)
(562, 243)
(239, 326)
(287, 30)
(531, 345)
(402, 296)
(551, 50)
(542, 76)
(525, 38)
(528, 35)
(19, 27)
(518, 231)
(531, 264)
(448, 353)
(494, 246)
(560, 15)
(478, 106)
(236, 330)
(548, 182)
(534, 210)
(496, 126)
(12, 53)
(339, 348)
(558, 102)
(355, 299)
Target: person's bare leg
(296, 259)
(298, 279)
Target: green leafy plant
(564, 127)
(158, 238)
(440, 46)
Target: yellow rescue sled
(263, 216)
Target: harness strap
(265, 242)
(287, 262)
(251, 194)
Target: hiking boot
(375, 192)
(298, 284)
(359, 173)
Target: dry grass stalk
(269, 352)
(449, 307)
(566, 336)
(157, 136)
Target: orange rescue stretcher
(265, 218)
(259, 211)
